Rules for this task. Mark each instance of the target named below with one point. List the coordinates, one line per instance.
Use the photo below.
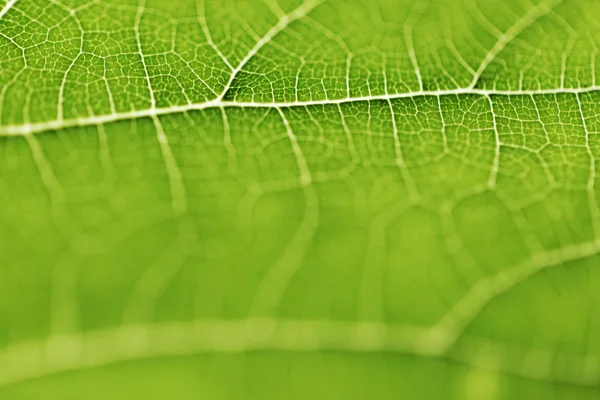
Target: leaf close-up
(287, 199)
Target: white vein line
(283, 22)
(446, 332)
(349, 57)
(37, 127)
(592, 178)
(49, 179)
(178, 195)
(63, 83)
(30, 359)
(7, 8)
(228, 143)
(450, 45)
(272, 288)
(568, 47)
(136, 29)
(511, 33)
(412, 19)
(496, 163)
(409, 181)
(201, 9)
(111, 99)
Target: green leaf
(275, 199)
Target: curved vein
(76, 352)
(283, 22)
(511, 34)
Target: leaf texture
(299, 199)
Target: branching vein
(283, 23)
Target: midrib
(39, 127)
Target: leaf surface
(284, 199)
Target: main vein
(7, 8)
(38, 127)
